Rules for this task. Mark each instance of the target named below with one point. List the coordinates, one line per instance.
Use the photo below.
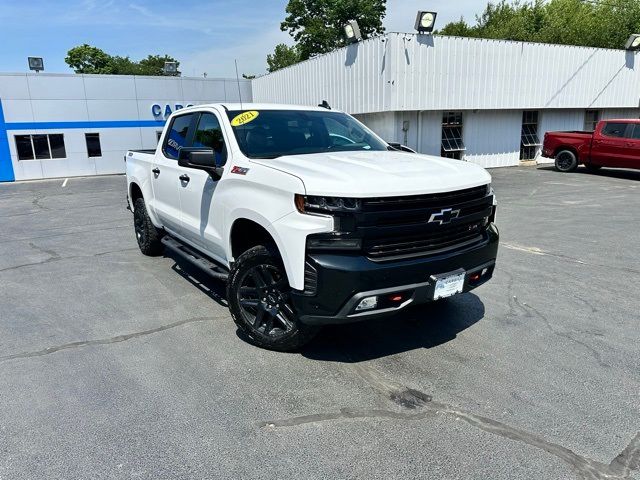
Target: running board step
(196, 259)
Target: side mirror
(200, 159)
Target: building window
(40, 147)
(529, 141)
(93, 144)
(452, 143)
(591, 119)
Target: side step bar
(196, 259)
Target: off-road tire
(258, 294)
(147, 235)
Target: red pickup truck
(615, 143)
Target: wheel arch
(570, 148)
(245, 234)
(135, 192)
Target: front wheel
(259, 299)
(566, 161)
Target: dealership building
(484, 101)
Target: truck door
(202, 219)
(633, 144)
(166, 172)
(609, 144)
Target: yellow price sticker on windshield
(244, 118)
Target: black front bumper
(343, 280)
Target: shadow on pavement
(603, 172)
(426, 326)
(214, 289)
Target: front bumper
(343, 280)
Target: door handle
(184, 178)
(156, 171)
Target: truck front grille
(397, 228)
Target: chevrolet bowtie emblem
(444, 216)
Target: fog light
(368, 303)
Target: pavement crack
(629, 458)
(620, 467)
(533, 312)
(567, 258)
(58, 258)
(102, 341)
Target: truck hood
(377, 174)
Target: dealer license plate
(449, 285)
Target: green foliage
(317, 26)
(88, 59)
(283, 56)
(604, 24)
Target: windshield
(276, 133)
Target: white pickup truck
(310, 217)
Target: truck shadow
(604, 172)
(214, 289)
(426, 326)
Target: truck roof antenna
(238, 80)
(325, 104)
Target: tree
(317, 26)
(605, 24)
(88, 59)
(283, 56)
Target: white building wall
(38, 98)
(492, 137)
(399, 72)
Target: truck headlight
(316, 204)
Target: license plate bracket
(448, 284)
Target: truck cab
(309, 217)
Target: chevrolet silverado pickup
(309, 217)
(614, 143)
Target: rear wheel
(566, 161)
(259, 299)
(147, 235)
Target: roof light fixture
(170, 68)
(633, 43)
(352, 32)
(36, 63)
(425, 21)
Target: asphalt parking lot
(115, 365)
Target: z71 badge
(239, 170)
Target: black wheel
(259, 299)
(591, 168)
(147, 235)
(566, 161)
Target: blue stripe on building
(88, 125)
(6, 167)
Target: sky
(204, 35)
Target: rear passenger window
(177, 137)
(209, 135)
(636, 131)
(614, 129)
